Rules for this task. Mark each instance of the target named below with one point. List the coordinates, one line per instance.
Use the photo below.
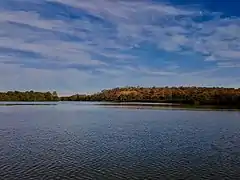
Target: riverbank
(140, 105)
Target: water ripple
(119, 144)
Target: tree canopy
(182, 95)
(28, 96)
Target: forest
(181, 95)
(28, 96)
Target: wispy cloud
(173, 29)
(116, 42)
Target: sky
(84, 46)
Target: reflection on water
(82, 141)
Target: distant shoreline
(137, 105)
(173, 105)
(26, 104)
(145, 96)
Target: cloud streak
(172, 28)
(115, 42)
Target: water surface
(86, 141)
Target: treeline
(28, 96)
(182, 95)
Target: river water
(86, 141)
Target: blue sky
(85, 46)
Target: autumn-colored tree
(183, 95)
(28, 96)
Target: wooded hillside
(28, 96)
(184, 95)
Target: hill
(183, 95)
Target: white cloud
(104, 8)
(14, 77)
(229, 64)
(64, 52)
(122, 27)
(141, 21)
(134, 19)
(229, 54)
(31, 18)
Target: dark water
(72, 141)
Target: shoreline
(168, 105)
(137, 105)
